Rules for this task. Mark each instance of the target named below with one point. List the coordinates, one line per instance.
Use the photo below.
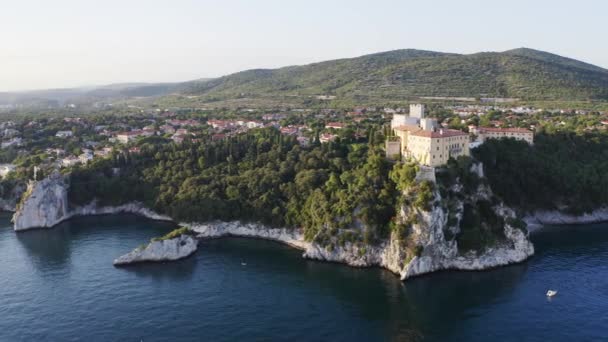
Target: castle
(421, 139)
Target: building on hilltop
(416, 115)
(436, 147)
(417, 111)
(484, 133)
(421, 139)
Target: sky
(69, 43)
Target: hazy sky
(64, 43)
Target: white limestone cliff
(161, 250)
(437, 254)
(45, 204)
(542, 218)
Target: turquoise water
(60, 285)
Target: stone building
(420, 138)
(484, 133)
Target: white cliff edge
(438, 254)
(162, 250)
(541, 218)
(45, 204)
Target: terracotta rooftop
(506, 130)
(409, 128)
(442, 133)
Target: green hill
(521, 73)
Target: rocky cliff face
(45, 204)
(163, 250)
(441, 253)
(438, 252)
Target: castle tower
(417, 111)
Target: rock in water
(161, 250)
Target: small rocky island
(176, 245)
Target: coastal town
(431, 135)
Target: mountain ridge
(521, 73)
(402, 74)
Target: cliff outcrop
(45, 204)
(429, 242)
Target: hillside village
(431, 135)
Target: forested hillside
(520, 73)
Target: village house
(85, 157)
(289, 130)
(127, 137)
(334, 125)
(55, 151)
(484, 133)
(327, 137)
(64, 134)
(167, 129)
(254, 124)
(69, 161)
(220, 124)
(150, 129)
(183, 123)
(180, 135)
(104, 152)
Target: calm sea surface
(60, 285)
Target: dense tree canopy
(261, 176)
(562, 170)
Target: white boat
(243, 264)
(551, 293)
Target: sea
(59, 284)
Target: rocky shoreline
(538, 219)
(388, 255)
(45, 204)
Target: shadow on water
(172, 270)
(398, 309)
(54, 246)
(47, 246)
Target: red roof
(443, 133)
(505, 130)
(409, 128)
